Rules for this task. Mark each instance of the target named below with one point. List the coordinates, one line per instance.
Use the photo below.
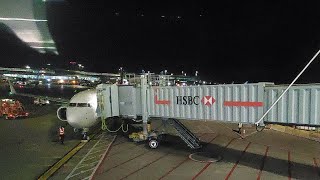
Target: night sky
(225, 41)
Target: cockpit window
(72, 104)
(83, 105)
(79, 105)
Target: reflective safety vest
(61, 131)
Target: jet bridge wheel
(153, 143)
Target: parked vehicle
(41, 101)
(11, 109)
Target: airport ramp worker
(61, 134)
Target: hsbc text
(188, 100)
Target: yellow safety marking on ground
(61, 162)
(64, 159)
(297, 132)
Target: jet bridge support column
(144, 86)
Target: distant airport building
(50, 76)
(61, 76)
(164, 80)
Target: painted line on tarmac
(98, 166)
(235, 165)
(203, 134)
(55, 167)
(62, 161)
(250, 134)
(145, 152)
(262, 163)
(316, 167)
(187, 159)
(202, 170)
(226, 146)
(127, 149)
(209, 163)
(211, 139)
(214, 138)
(144, 166)
(289, 165)
(199, 135)
(120, 142)
(175, 167)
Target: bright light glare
(44, 47)
(23, 19)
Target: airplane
(80, 111)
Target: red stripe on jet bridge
(242, 103)
(165, 102)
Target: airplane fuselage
(81, 111)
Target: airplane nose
(81, 117)
(62, 113)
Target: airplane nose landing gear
(85, 137)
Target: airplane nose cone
(81, 117)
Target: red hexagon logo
(208, 100)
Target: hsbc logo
(208, 100)
(188, 100)
(194, 100)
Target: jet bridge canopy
(232, 103)
(238, 103)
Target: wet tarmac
(264, 155)
(30, 150)
(29, 146)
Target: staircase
(185, 134)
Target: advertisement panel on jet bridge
(233, 103)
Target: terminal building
(61, 76)
(45, 76)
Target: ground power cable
(105, 127)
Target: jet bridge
(239, 103)
(236, 103)
(231, 103)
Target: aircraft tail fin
(12, 90)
